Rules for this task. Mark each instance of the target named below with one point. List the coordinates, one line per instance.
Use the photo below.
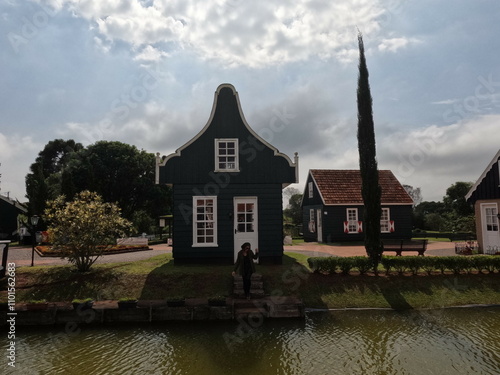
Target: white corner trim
(483, 175)
(212, 113)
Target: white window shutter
(346, 227)
(360, 227)
(391, 226)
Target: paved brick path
(22, 255)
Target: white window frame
(204, 221)
(491, 219)
(352, 225)
(221, 155)
(385, 221)
(310, 187)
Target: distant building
(227, 188)
(332, 206)
(9, 211)
(485, 196)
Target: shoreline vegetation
(157, 278)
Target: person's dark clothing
(245, 267)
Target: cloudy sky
(144, 72)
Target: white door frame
(319, 225)
(490, 233)
(246, 225)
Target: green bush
(323, 264)
(388, 263)
(363, 264)
(428, 264)
(414, 264)
(346, 264)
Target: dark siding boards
(257, 161)
(333, 223)
(8, 219)
(262, 173)
(269, 221)
(488, 188)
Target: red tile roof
(344, 187)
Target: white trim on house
(208, 217)
(162, 161)
(385, 222)
(483, 175)
(218, 156)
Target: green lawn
(157, 278)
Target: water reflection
(456, 341)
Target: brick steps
(256, 289)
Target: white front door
(489, 220)
(245, 223)
(319, 224)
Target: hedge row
(413, 264)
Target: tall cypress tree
(370, 188)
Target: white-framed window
(310, 187)
(491, 219)
(385, 221)
(226, 155)
(352, 224)
(204, 221)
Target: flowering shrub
(84, 228)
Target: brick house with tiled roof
(332, 206)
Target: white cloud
(434, 158)
(150, 53)
(394, 44)
(17, 153)
(445, 102)
(254, 34)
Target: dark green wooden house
(333, 208)
(484, 195)
(227, 187)
(9, 211)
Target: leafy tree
(454, 200)
(434, 221)
(84, 227)
(370, 187)
(454, 214)
(294, 210)
(421, 211)
(43, 181)
(118, 172)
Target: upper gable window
(226, 155)
(310, 187)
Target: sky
(144, 72)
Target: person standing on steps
(245, 266)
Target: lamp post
(34, 223)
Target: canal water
(449, 341)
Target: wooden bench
(405, 245)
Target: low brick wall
(108, 312)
